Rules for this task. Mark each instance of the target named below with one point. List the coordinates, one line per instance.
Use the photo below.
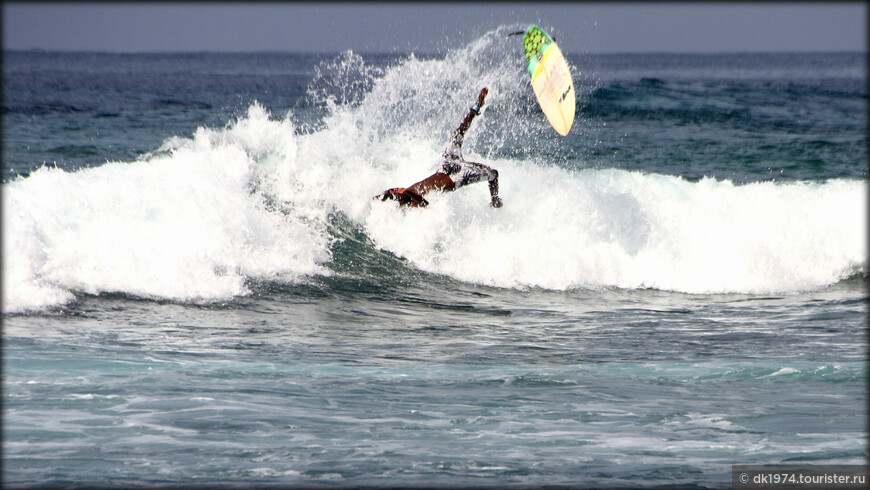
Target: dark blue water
(198, 289)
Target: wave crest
(200, 216)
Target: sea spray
(186, 224)
(613, 228)
(392, 362)
(199, 217)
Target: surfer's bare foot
(496, 202)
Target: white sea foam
(201, 215)
(603, 228)
(182, 225)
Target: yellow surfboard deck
(551, 79)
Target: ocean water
(198, 288)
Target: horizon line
(420, 53)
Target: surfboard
(551, 78)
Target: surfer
(454, 171)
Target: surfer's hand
(496, 202)
(394, 193)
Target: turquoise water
(198, 289)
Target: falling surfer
(453, 173)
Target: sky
(609, 27)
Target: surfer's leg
(454, 149)
(493, 184)
(475, 172)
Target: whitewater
(197, 218)
(198, 288)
